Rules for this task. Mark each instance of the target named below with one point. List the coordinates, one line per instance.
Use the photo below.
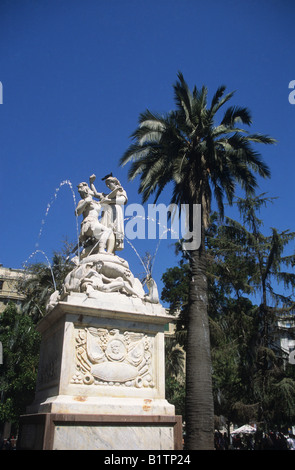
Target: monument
(101, 376)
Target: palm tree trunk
(199, 396)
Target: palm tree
(184, 147)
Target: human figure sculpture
(94, 280)
(153, 295)
(112, 215)
(92, 230)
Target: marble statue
(101, 373)
(112, 215)
(153, 295)
(98, 269)
(93, 232)
(94, 280)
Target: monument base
(101, 378)
(57, 431)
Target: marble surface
(113, 437)
(103, 406)
(91, 354)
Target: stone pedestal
(101, 379)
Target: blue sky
(76, 75)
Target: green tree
(174, 374)
(41, 280)
(246, 387)
(21, 344)
(176, 292)
(19, 338)
(244, 261)
(184, 147)
(272, 388)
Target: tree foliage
(19, 337)
(41, 280)
(21, 343)
(252, 380)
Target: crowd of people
(254, 441)
(7, 444)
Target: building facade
(9, 279)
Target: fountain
(101, 379)
(49, 205)
(48, 263)
(63, 183)
(165, 231)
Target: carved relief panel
(112, 357)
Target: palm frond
(235, 114)
(185, 147)
(216, 97)
(220, 102)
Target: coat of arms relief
(110, 357)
